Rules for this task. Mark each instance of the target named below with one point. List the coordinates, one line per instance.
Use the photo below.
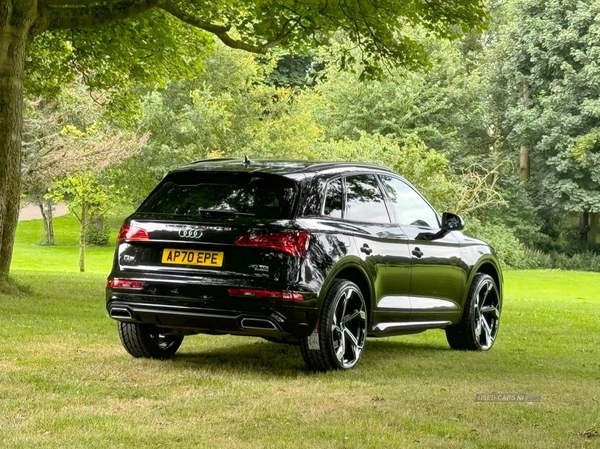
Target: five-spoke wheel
(479, 325)
(349, 327)
(339, 339)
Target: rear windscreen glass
(198, 194)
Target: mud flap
(313, 339)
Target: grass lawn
(65, 380)
(64, 256)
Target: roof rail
(215, 160)
(334, 164)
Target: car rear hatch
(221, 230)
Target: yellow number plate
(192, 257)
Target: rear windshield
(201, 194)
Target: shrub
(535, 258)
(97, 236)
(584, 261)
(587, 261)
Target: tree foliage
(140, 41)
(444, 103)
(85, 196)
(65, 137)
(546, 91)
(206, 117)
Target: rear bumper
(275, 319)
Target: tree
(444, 103)
(207, 117)
(546, 86)
(212, 116)
(85, 196)
(61, 27)
(66, 137)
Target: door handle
(391, 236)
(365, 249)
(417, 252)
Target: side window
(364, 200)
(334, 200)
(410, 208)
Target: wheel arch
(354, 273)
(490, 267)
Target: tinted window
(410, 208)
(364, 200)
(243, 193)
(334, 202)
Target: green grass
(64, 256)
(65, 380)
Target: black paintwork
(413, 277)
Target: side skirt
(409, 327)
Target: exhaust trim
(121, 314)
(258, 323)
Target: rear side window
(200, 194)
(364, 200)
(334, 202)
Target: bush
(97, 236)
(535, 258)
(585, 261)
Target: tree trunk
(593, 231)
(47, 209)
(97, 221)
(16, 20)
(83, 228)
(524, 171)
(584, 227)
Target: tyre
(338, 340)
(143, 340)
(478, 328)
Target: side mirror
(452, 222)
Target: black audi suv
(318, 254)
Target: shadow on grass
(11, 287)
(285, 360)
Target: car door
(383, 248)
(438, 277)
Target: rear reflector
(264, 294)
(294, 243)
(125, 283)
(132, 233)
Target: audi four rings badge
(190, 233)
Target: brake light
(132, 233)
(125, 283)
(264, 294)
(294, 243)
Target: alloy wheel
(486, 316)
(163, 341)
(349, 327)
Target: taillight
(264, 294)
(132, 233)
(294, 243)
(125, 283)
